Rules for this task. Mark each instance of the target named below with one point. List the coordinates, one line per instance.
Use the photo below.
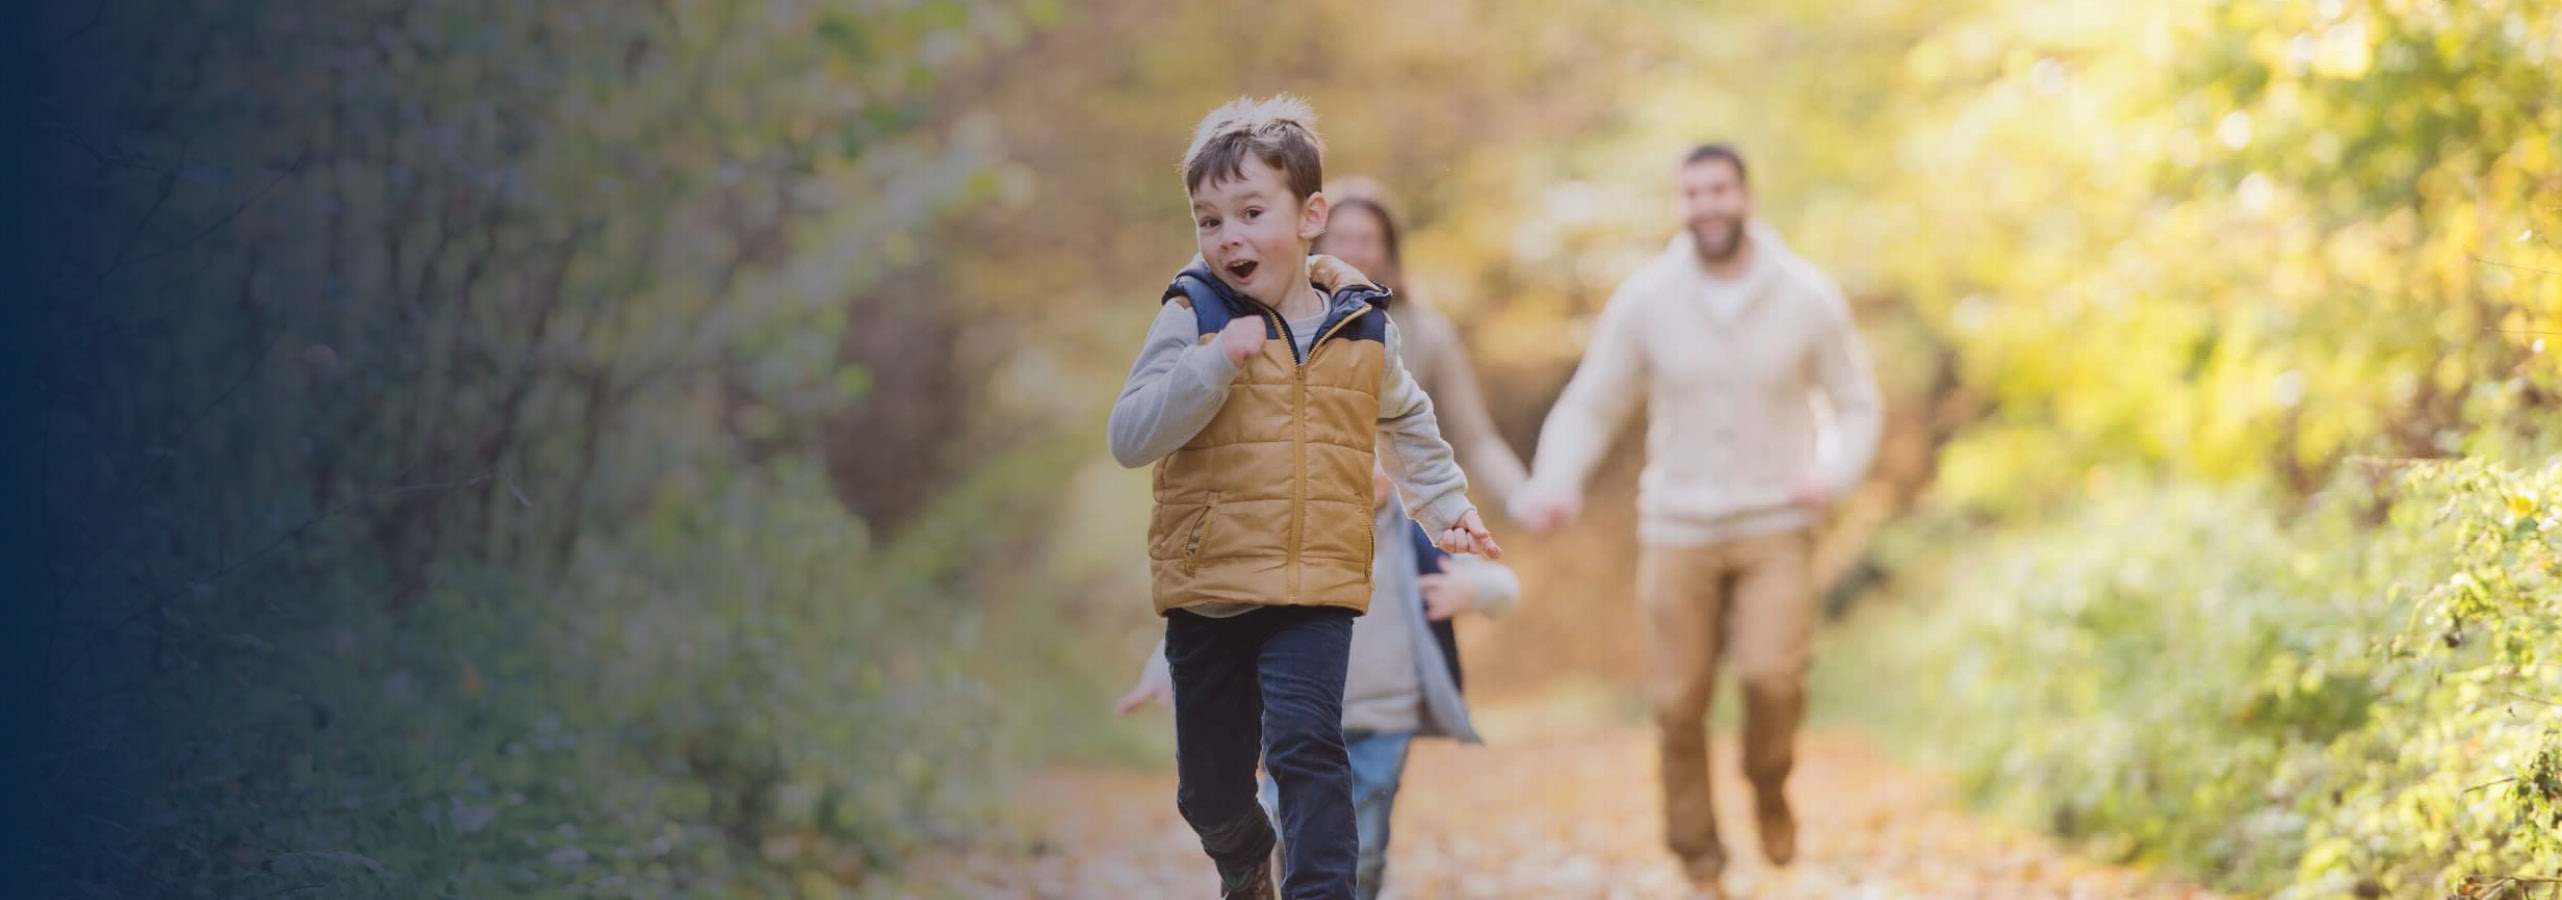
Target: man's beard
(1727, 242)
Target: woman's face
(1356, 236)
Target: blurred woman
(1361, 232)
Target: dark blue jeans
(1266, 683)
(1378, 767)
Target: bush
(422, 498)
(2363, 696)
(730, 693)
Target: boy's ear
(1312, 216)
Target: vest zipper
(1299, 419)
(1299, 409)
(1299, 449)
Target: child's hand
(1333, 274)
(1445, 596)
(1242, 340)
(1148, 690)
(1469, 535)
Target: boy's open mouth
(1242, 270)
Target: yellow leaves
(2534, 154)
(2326, 856)
(2234, 130)
(1997, 468)
(2344, 50)
(1929, 63)
(2450, 46)
(2452, 373)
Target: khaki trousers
(1750, 601)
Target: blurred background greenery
(492, 448)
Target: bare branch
(168, 185)
(2489, 784)
(226, 219)
(2516, 267)
(95, 14)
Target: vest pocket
(1192, 544)
(1369, 539)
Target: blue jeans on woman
(1378, 766)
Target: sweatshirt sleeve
(1843, 376)
(1606, 387)
(1174, 389)
(1157, 671)
(1418, 461)
(1498, 588)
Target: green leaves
(2293, 705)
(455, 526)
(2277, 258)
(847, 38)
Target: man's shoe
(1707, 878)
(1778, 828)
(1248, 882)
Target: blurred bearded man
(1733, 341)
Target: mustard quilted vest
(1270, 503)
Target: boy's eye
(1253, 214)
(1207, 224)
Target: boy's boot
(1253, 882)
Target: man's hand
(1148, 690)
(1334, 274)
(1445, 596)
(1812, 496)
(1542, 509)
(1469, 535)
(1242, 340)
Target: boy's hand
(1469, 535)
(1242, 340)
(1446, 596)
(1333, 274)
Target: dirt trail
(1570, 813)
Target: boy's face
(1254, 233)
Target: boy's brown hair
(1280, 131)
